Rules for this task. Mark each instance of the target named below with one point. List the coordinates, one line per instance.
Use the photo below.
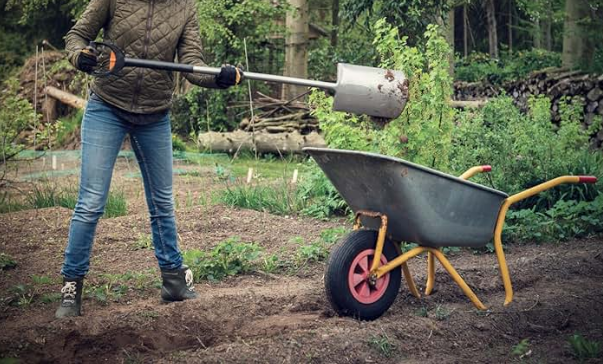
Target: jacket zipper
(145, 51)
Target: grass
(382, 344)
(7, 262)
(584, 349)
(281, 198)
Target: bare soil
(284, 317)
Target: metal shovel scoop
(359, 89)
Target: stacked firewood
(554, 83)
(279, 116)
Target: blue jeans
(102, 135)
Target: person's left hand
(229, 76)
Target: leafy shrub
(567, 218)
(15, 115)
(525, 150)
(511, 65)
(229, 258)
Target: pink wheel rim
(358, 278)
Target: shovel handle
(118, 61)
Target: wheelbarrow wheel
(346, 277)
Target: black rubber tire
(336, 273)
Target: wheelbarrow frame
(378, 270)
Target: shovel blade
(370, 91)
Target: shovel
(358, 90)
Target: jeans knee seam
(146, 171)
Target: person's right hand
(86, 59)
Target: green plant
(383, 344)
(522, 348)
(144, 241)
(50, 297)
(318, 250)
(442, 313)
(271, 263)
(422, 312)
(228, 258)
(67, 126)
(281, 198)
(16, 115)
(116, 204)
(22, 295)
(583, 349)
(7, 262)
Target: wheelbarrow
(398, 201)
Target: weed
(43, 280)
(382, 344)
(229, 258)
(583, 349)
(148, 314)
(7, 262)
(271, 263)
(442, 313)
(421, 312)
(116, 205)
(281, 198)
(144, 242)
(23, 295)
(50, 297)
(522, 348)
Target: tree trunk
(548, 39)
(573, 38)
(510, 26)
(65, 97)
(334, 22)
(450, 39)
(537, 36)
(280, 143)
(296, 43)
(492, 33)
(465, 30)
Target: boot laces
(188, 277)
(69, 290)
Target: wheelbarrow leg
(430, 274)
(457, 278)
(409, 281)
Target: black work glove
(229, 76)
(86, 59)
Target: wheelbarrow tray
(423, 206)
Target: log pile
(554, 83)
(279, 116)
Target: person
(135, 101)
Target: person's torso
(147, 29)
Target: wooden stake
(249, 175)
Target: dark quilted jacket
(148, 29)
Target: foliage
(318, 250)
(525, 150)
(321, 198)
(50, 195)
(67, 126)
(281, 198)
(7, 262)
(178, 144)
(228, 258)
(383, 344)
(411, 16)
(16, 114)
(226, 25)
(583, 349)
(522, 348)
(511, 65)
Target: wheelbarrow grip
(587, 179)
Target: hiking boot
(177, 285)
(71, 298)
